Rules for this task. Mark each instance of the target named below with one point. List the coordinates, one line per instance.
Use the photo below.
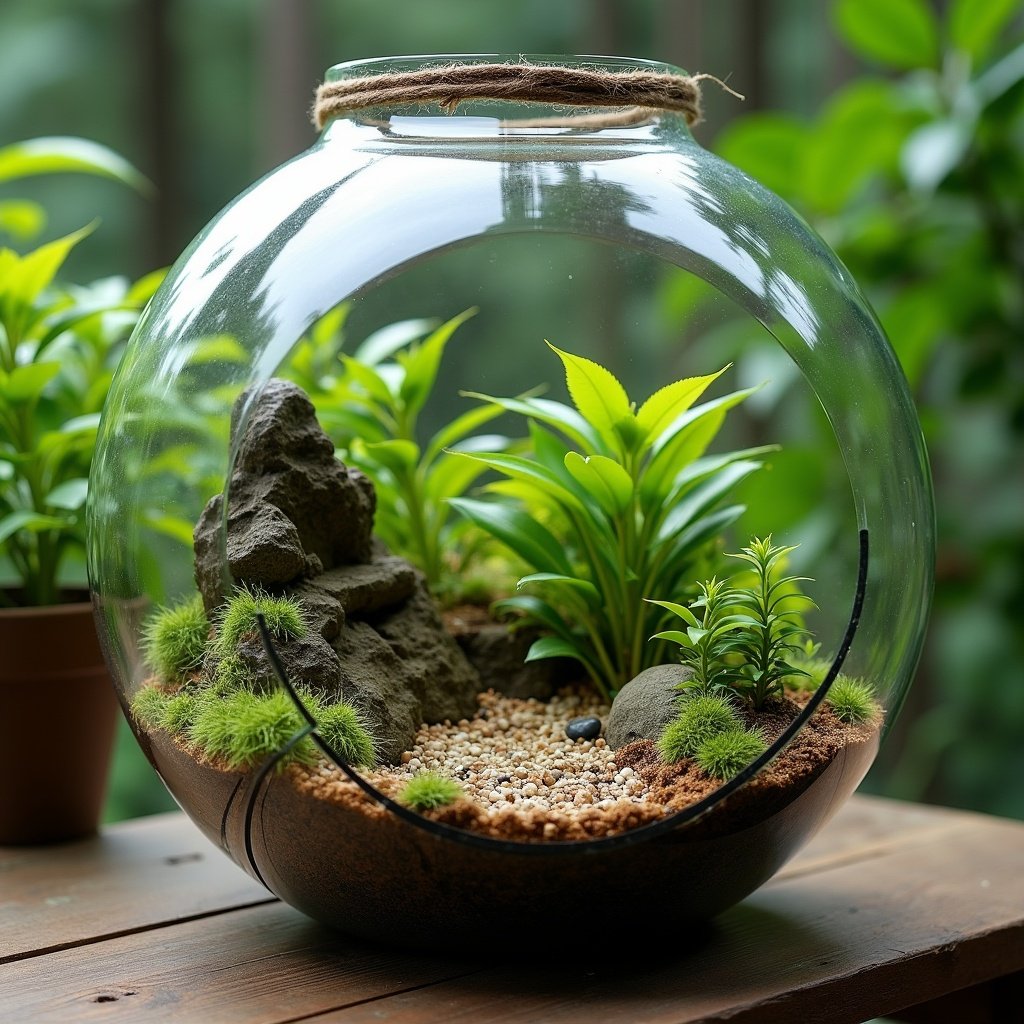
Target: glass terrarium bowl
(619, 240)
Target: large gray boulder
(645, 705)
(300, 523)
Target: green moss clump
(700, 718)
(174, 640)
(180, 712)
(342, 728)
(428, 791)
(244, 728)
(852, 700)
(284, 617)
(728, 753)
(148, 706)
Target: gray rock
(290, 499)
(374, 680)
(323, 612)
(443, 680)
(385, 582)
(645, 705)
(309, 660)
(499, 655)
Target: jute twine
(556, 85)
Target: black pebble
(503, 778)
(587, 728)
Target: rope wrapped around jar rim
(448, 85)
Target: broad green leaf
(219, 348)
(677, 609)
(555, 414)
(27, 383)
(459, 428)
(556, 647)
(451, 476)
(935, 150)
(75, 316)
(517, 468)
(63, 154)
(34, 522)
(21, 218)
(974, 25)
(595, 391)
(683, 547)
(584, 588)
(901, 33)
(69, 495)
(422, 361)
(670, 401)
(604, 479)
(388, 340)
(143, 289)
(674, 635)
(535, 610)
(327, 329)
(705, 496)
(398, 456)
(369, 380)
(81, 424)
(535, 544)
(170, 526)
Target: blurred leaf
(914, 322)
(933, 151)
(69, 495)
(902, 33)
(22, 219)
(388, 340)
(768, 146)
(421, 362)
(974, 25)
(59, 154)
(27, 383)
(34, 522)
(858, 136)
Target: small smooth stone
(586, 728)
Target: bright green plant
(702, 716)
(58, 348)
(746, 636)
(428, 791)
(852, 700)
(811, 668)
(726, 754)
(174, 639)
(768, 635)
(149, 706)
(709, 641)
(612, 504)
(372, 411)
(345, 732)
(284, 618)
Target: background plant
(371, 408)
(611, 504)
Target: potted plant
(58, 346)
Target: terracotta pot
(58, 714)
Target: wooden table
(892, 905)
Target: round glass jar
(520, 209)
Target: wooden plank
(937, 905)
(136, 875)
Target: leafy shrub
(852, 700)
(611, 504)
(284, 617)
(428, 791)
(726, 754)
(174, 639)
(701, 717)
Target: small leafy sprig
(746, 635)
(612, 503)
(708, 641)
(371, 410)
(771, 632)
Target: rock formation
(300, 522)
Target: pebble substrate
(524, 779)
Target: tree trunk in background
(160, 130)
(289, 76)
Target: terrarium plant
(611, 504)
(370, 403)
(207, 696)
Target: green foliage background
(896, 127)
